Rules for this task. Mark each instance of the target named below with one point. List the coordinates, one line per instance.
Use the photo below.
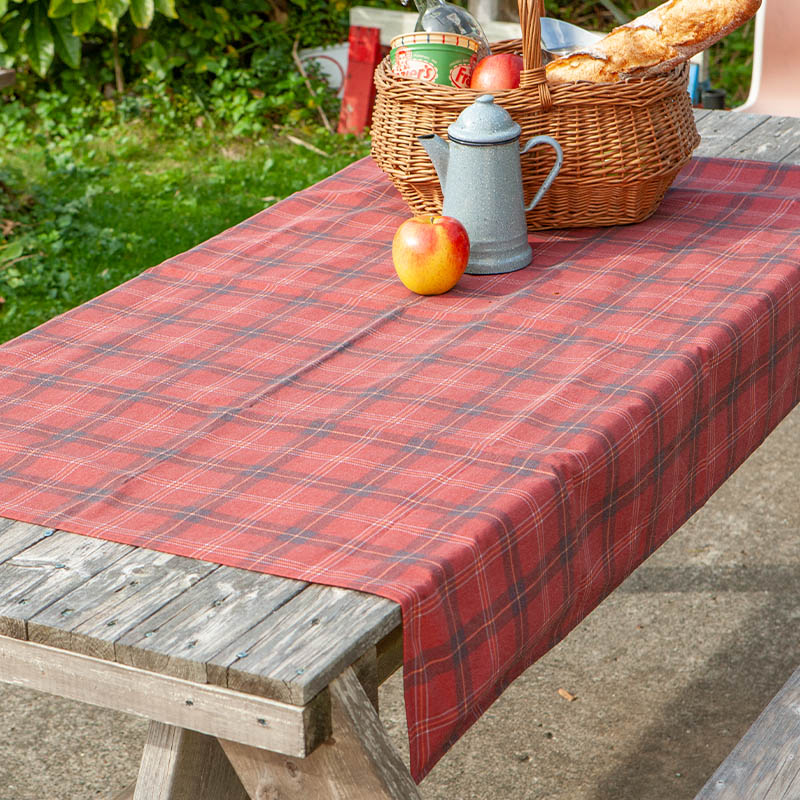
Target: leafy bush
(731, 63)
(184, 119)
(230, 62)
(39, 29)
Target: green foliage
(226, 64)
(591, 15)
(38, 30)
(35, 31)
(114, 131)
(731, 63)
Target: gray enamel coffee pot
(481, 177)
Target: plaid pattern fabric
(496, 459)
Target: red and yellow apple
(430, 253)
(496, 72)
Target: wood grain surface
(260, 634)
(256, 721)
(765, 765)
(758, 137)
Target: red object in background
(358, 97)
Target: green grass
(87, 217)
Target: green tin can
(444, 58)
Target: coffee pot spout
(439, 151)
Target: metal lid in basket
(484, 122)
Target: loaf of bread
(655, 42)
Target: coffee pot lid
(484, 122)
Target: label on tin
(408, 66)
(461, 74)
(448, 66)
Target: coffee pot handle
(537, 140)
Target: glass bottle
(439, 16)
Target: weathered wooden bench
(252, 683)
(765, 765)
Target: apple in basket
(496, 72)
(430, 253)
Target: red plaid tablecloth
(496, 459)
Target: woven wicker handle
(530, 14)
(533, 74)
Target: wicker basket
(623, 143)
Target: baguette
(653, 43)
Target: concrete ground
(668, 674)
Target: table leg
(178, 764)
(357, 763)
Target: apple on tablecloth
(497, 72)
(430, 253)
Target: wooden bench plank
(773, 140)
(94, 615)
(186, 632)
(254, 721)
(186, 618)
(297, 651)
(720, 130)
(38, 575)
(792, 158)
(700, 113)
(17, 536)
(7, 77)
(765, 765)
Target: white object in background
(499, 31)
(332, 61)
(484, 10)
(390, 23)
(776, 60)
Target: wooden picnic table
(255, 686)
(257, 662)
